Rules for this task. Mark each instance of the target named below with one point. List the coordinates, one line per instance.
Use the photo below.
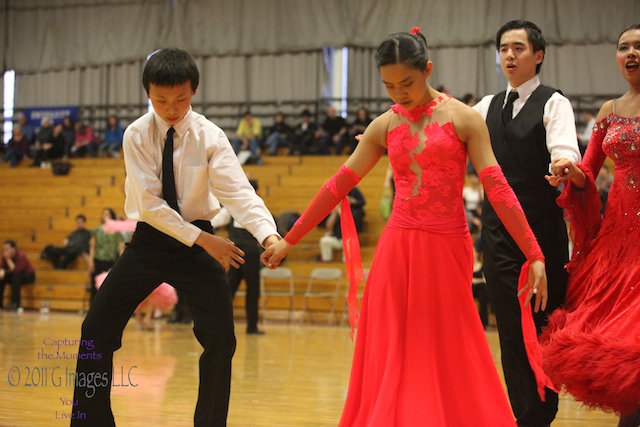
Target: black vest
(521, 150)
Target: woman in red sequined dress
(592, 345)
(421, 356)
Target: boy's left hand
(221, 249)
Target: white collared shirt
(558, 119)
(207, 173)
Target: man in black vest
(531, 127)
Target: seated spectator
(333, 133)
(27, 129)
(42, 144)
(85, 141)
(304, 140)
(112, 142)
(469, 99)
(17, 147)
(69, 134)
(604, 180)
(332, 240)
(76, 244)
(16, 270)
(473, 195)
(277, 135)
(589, 118)
(357, 127)
(57, 150)
(248, 137)
(443, 89)
(285, 221)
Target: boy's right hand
(273, 255)
(221, 249)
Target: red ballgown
(592, 345)
(421, 354)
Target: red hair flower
(415, 30)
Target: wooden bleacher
(40, 209)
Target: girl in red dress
(592, 345)
(421, 355)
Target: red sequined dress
(592, 345)
(421, 354)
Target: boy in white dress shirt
(174, 240)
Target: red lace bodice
(429, 163)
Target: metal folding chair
(276, 283)
(324, 283)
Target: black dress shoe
(174, 318)
(255, 332)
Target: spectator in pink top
(85, 141)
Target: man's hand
(563, 170)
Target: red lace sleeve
(508, 208)
(583, 205)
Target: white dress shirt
(207, 173)
(558, 119)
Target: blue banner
(35, 115)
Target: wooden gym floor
(294, 376)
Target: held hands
(536, 285)
(564, 170)
(221, 249)
(274, 254)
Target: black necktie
(168, 179)
(507, 111)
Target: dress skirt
(421, 355)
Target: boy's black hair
(11, 243)
(170, 67)
(534, 35)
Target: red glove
(507, 206)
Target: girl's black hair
(405, 48)
(112, 213)
(629, 28)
